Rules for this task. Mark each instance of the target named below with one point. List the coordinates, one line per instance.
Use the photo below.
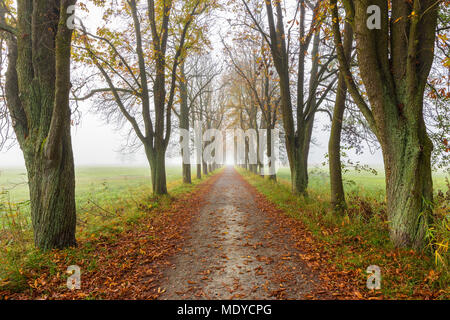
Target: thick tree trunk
(52, 195)
(409, 184)
(299, 171)
(37, 92)
(409, 188)
(394, 64)
(334, 145)
(157, 161)
(299, 174)
(159, 178)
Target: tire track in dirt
(233, 251)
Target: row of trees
(148, 68)
(386, 73)
(138, 67)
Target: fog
(96, 143)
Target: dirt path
(234, 251)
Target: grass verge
(26, 272)
(360, 238)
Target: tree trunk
(159, 178)
(37, 92)
(246, 156)
(205, 168)
(305, 152)
(334, 153)
(187, 173)
(272, 172)
(305, 123)
(409, 185)
(52, 197)
(299, 172)
(394, 64)
(334, 145)
(157, 161)
(235, 150)
(199, 170)
(184, 122)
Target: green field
(109, 200)
(109, 182)
(91, 182)
(105, 192)
(112, 199)
(362, 183)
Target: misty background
(96, 143)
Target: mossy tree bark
(395, 62)
(37, 92)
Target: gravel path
(233, 251)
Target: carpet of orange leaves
(128, 267)
(338, 283)
(131, 265)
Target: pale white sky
(97, 144)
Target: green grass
(108, 181)
(14, 180)
(109, 201)
(405, 273)
(361, 183)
